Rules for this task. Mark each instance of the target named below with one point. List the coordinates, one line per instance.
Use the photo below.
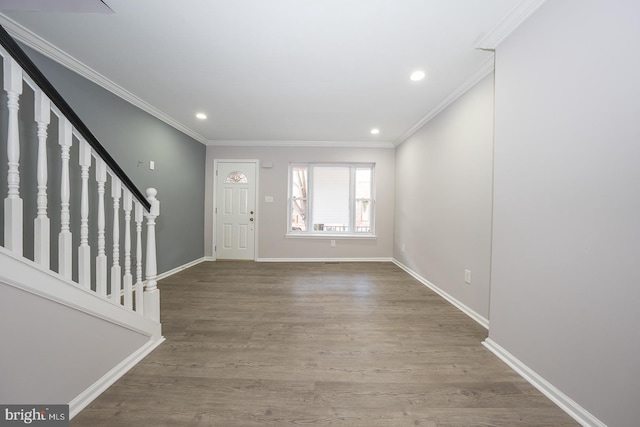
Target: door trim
(215, 203)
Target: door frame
(215, 203)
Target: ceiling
(276, 70)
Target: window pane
(330, 198)
(363, 216)
(236, 177)
(298, 215)
(299, 187)
(363, 183)
(363, 200)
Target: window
(236, 177)
(331, 198)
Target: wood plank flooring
(350, 344)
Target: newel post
(151, 291)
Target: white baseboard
(483, 321)
(565, 403)
(182, 267)
(324, 260)
(90, 394)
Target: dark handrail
(36, 75)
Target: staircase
(76, 310)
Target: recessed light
(417, 75)
(375, 131)
(201, 116)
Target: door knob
(250, 219)
(251, 212)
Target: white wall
(443, 198)
(565, 292)
(272, 217)
(52, 353)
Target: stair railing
(125, 288)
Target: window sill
(329, 236)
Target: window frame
(350, 233)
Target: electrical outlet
(467, 276)
(333, 243)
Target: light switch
(152, 165)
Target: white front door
(235, 210)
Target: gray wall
(272, 218)
(131, 136)
(443, 198)
(566, 235)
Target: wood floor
(351, 344)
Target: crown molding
(520, 13)
(516, 16)
(47, 49)
(482, 72)
(334, 144)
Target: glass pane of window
(236, 177)
(330, 198)
(363, 216)
(363, 183)
(299, 189)
(363, 200)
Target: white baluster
(116, 273)
(139, 284)
(41, 232)
(65, 139)
(127, 202)
(84, 251)
(151, 292)
(13, 202)
(101, 259)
